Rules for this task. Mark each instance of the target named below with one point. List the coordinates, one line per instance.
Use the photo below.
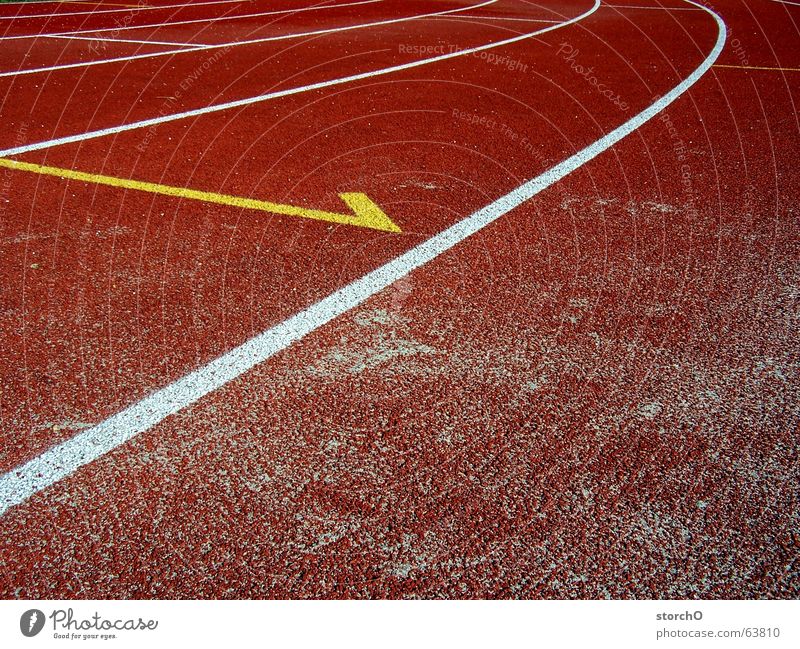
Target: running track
(399, 299)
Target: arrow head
(367, 213)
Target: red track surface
(595, 396)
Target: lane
(101, 40)
(22, 54)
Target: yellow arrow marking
(365, 213)
(755, 67)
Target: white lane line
(217, 46)
(654, 7)
(787, 2)
(129, 9)
(522, 20)
(60, 461)
(120, 40)
(216, 19)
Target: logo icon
(31, 622)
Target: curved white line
(267, 39)
(522, 20)
(654, 7)
(60, 461)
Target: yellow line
(365, 212)
(753, 67)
